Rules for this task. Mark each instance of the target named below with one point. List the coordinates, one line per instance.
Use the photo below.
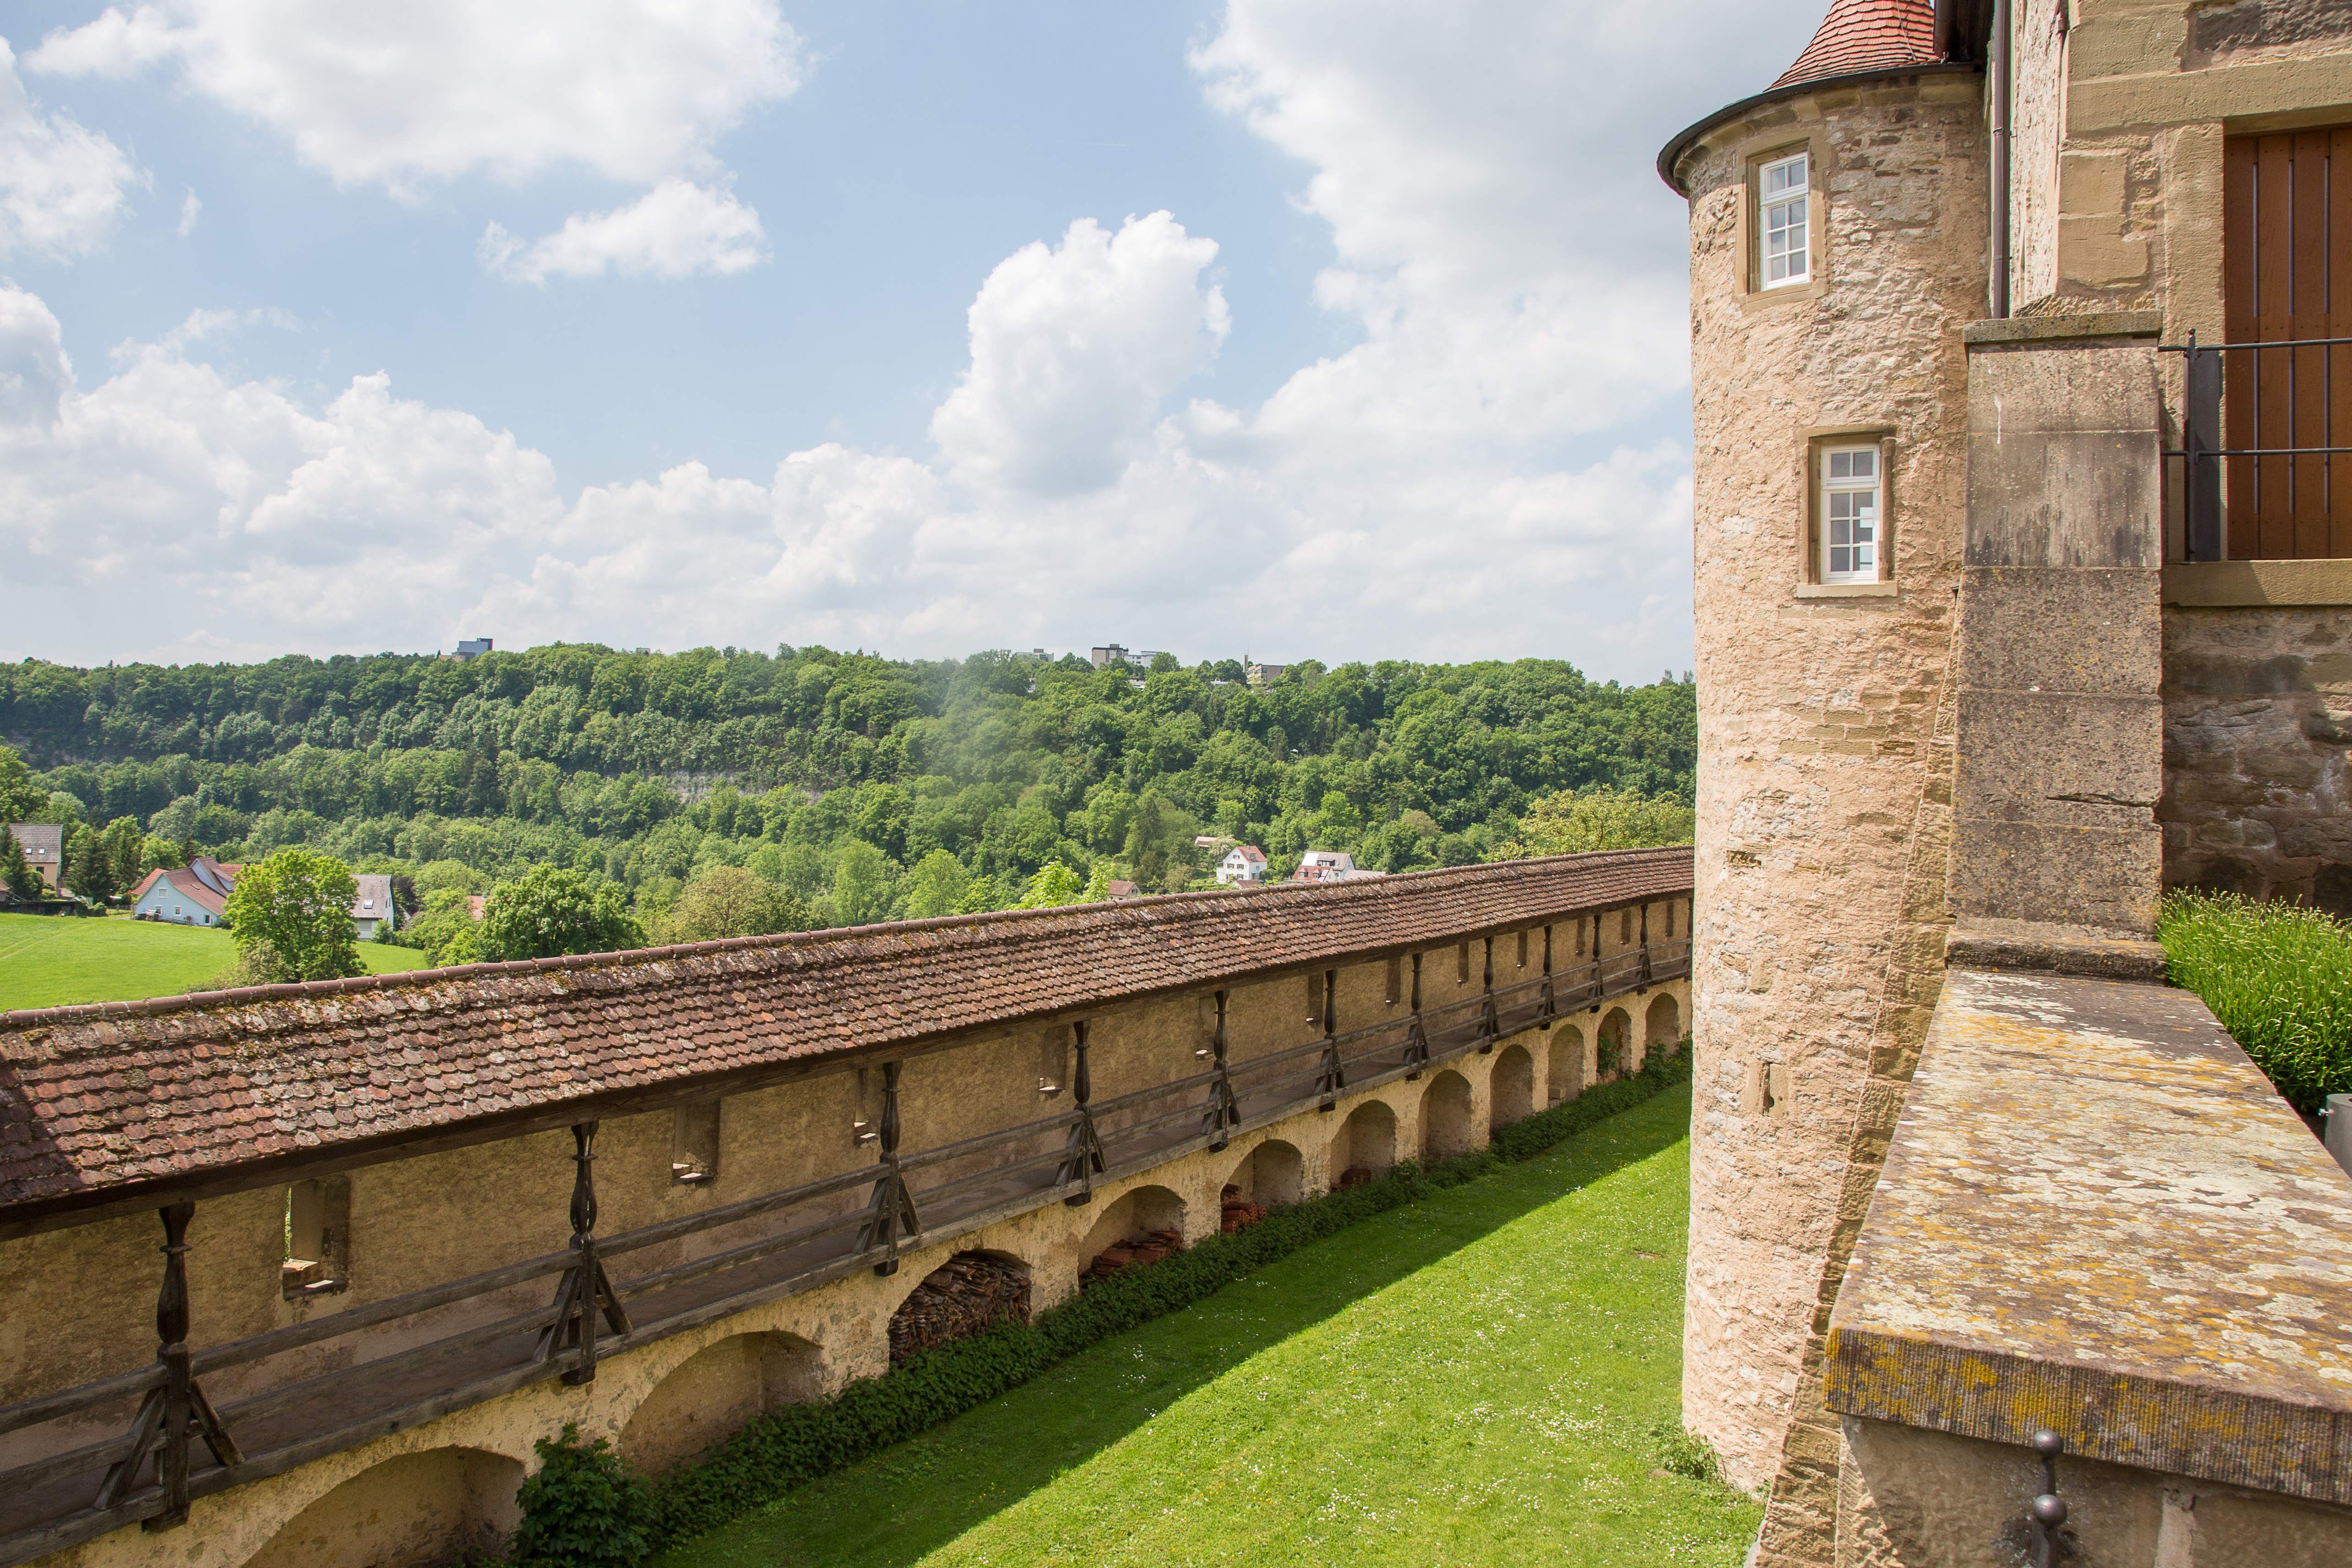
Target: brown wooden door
(2287, 274)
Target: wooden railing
(178, 1445)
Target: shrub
(583, 1509)
(778, 1452)
(1684, 1452)
(2278, 976)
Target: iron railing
(177, 1446)
(2278, 480)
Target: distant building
(44, 844)
(1243, 863)
(1329, 866)
(193, 895)
(1112, 653)
(1213, 840)
(1119, 890)
(474, 902)
(1261, 676)
(372, 909)
(475, 648)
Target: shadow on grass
(899, 1506)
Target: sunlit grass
(47, 961)
(2279, 978)
(1479, 1377)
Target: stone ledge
(2095, 1215)
(2038, 947)
(2231, 585)
(1846, 590)
(2057, 328)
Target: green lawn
(47, 960)
(1474, 1379)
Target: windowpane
(1849, 513)
(1785, 211)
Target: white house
(1243, 863)
(1329, 866)
(372, 909)
(190, 897)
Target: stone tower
(1838, 244)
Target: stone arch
(413, 1510)
(1365, 1143)
(1445, 1119)
(968, 1294)
(1272, 1175)
(1132, 1215)
(713, 1392)
(1615, 1055)
(1511, 1090)
(1663, 1029)
(1566, 1081)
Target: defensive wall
(408, 1225)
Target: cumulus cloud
(409, 97)
(192, 206)
(1074, 349)
(62, 186)
(675, 230)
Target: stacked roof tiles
(114, 1098)
(1867, 36)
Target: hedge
(777, 1452)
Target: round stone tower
(1838, 244)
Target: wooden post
(890, 1213)
(1490, 1023)
(1334, 1077)
(584, 1293)
(1550, 1010)
(1224, 1110)
(1084, 1162)
(178, 1408)
(1416, 1039)
(1644, 984)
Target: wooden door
(2287, 274)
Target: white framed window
(1784, 204)
(1849, 513)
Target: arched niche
(1446, 1119)
(1616, 1043)
(1566, 1079)
(1663, 1029)
(415, 1511)
(712, 1393)
(1142, 1215)
(1270, 1175)
(1511, 1091)
(968, 1294)
(1365, 1145)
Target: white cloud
(191, 207)
(62, 186)
(675, 230)
(1074, 348)
(409, 97)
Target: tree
(1054, 885)
(16, 873)
(20, 797)
(728, 900)
(935, 885)
(290, 917)
(861, 885)
(126, 852)
(1574, 822)
(553, 910)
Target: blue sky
(1293, 327)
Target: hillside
(648, 766)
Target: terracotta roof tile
(211, 1082)
(1867, 36)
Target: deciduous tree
(290, 917)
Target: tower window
(1850, 494)
(317, 1258)
(694, 1143)
(1784, 205)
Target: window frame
(1828, 488)
(1761, 201)
(1812, 524)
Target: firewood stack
(1149, 1247)
(1235, 1212)
(965, 1295)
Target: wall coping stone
(2043, 947)
(2226, 585)
(2097, 1216)
(2057, 328)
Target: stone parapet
(2095, 1217)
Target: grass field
(1474, 1379)
(46, 960)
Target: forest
(868, 787)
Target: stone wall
(2257, 723)
(1823, 784)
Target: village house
(1329, 866)
(193, 895)
(372, 909)
(1243, 863)
(44, 844)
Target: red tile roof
(1867, 36)
(122, 1099)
